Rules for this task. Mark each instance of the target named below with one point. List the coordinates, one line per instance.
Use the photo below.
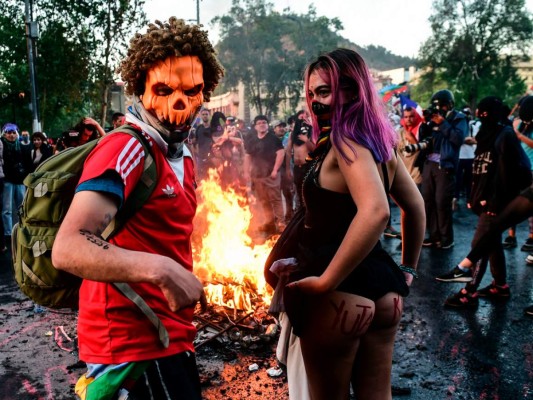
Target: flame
(226, 258)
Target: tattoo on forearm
(94, 239)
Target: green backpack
(48, 196)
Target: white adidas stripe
(132, 166)
(129, 157)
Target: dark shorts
(175, 377)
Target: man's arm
(90, 121)
(525, 139)
(79, 249)
(280, 155)
(454, 132)
(288, 158)
(247, 164)
(310, 145)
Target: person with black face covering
(499, 164)
(345, 296)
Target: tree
(115, 22)
(78, 49)
(473, 47)
(107, 26)
(14, 93)
(268, 50)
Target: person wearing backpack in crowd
(498, 165)
(16, 167)
(40, 150)
(170, 71)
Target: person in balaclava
(495, 183)
(170, 70)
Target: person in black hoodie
(498, 165)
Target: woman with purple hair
(345, 299)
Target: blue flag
(407, 102)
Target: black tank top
(328, 216)
(328, 213)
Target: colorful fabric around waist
(103, 382)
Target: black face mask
(488, 120)
(525, 127)
(320, 109)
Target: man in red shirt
(170, 70)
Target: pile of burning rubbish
(230, 263)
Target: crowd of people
(333, 167)
(445, 150)
(269, 158)
(21, 153)
(480, 162)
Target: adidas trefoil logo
(169, 191)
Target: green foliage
(473, 47)
(78, 50)
(268, 50)
(382, 59)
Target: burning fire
(224, 254)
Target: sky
(399, 26)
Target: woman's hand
(311, 285)
(408, 278)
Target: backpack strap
(139, 196)
(142, 191)
(127, 291)
(385, 177)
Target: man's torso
(111, 328)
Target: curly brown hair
(162, 40)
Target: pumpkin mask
(173, 91)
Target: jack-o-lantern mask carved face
(173, 91)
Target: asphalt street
(485, 353)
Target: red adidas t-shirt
(111, 329)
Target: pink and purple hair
(363, 120)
